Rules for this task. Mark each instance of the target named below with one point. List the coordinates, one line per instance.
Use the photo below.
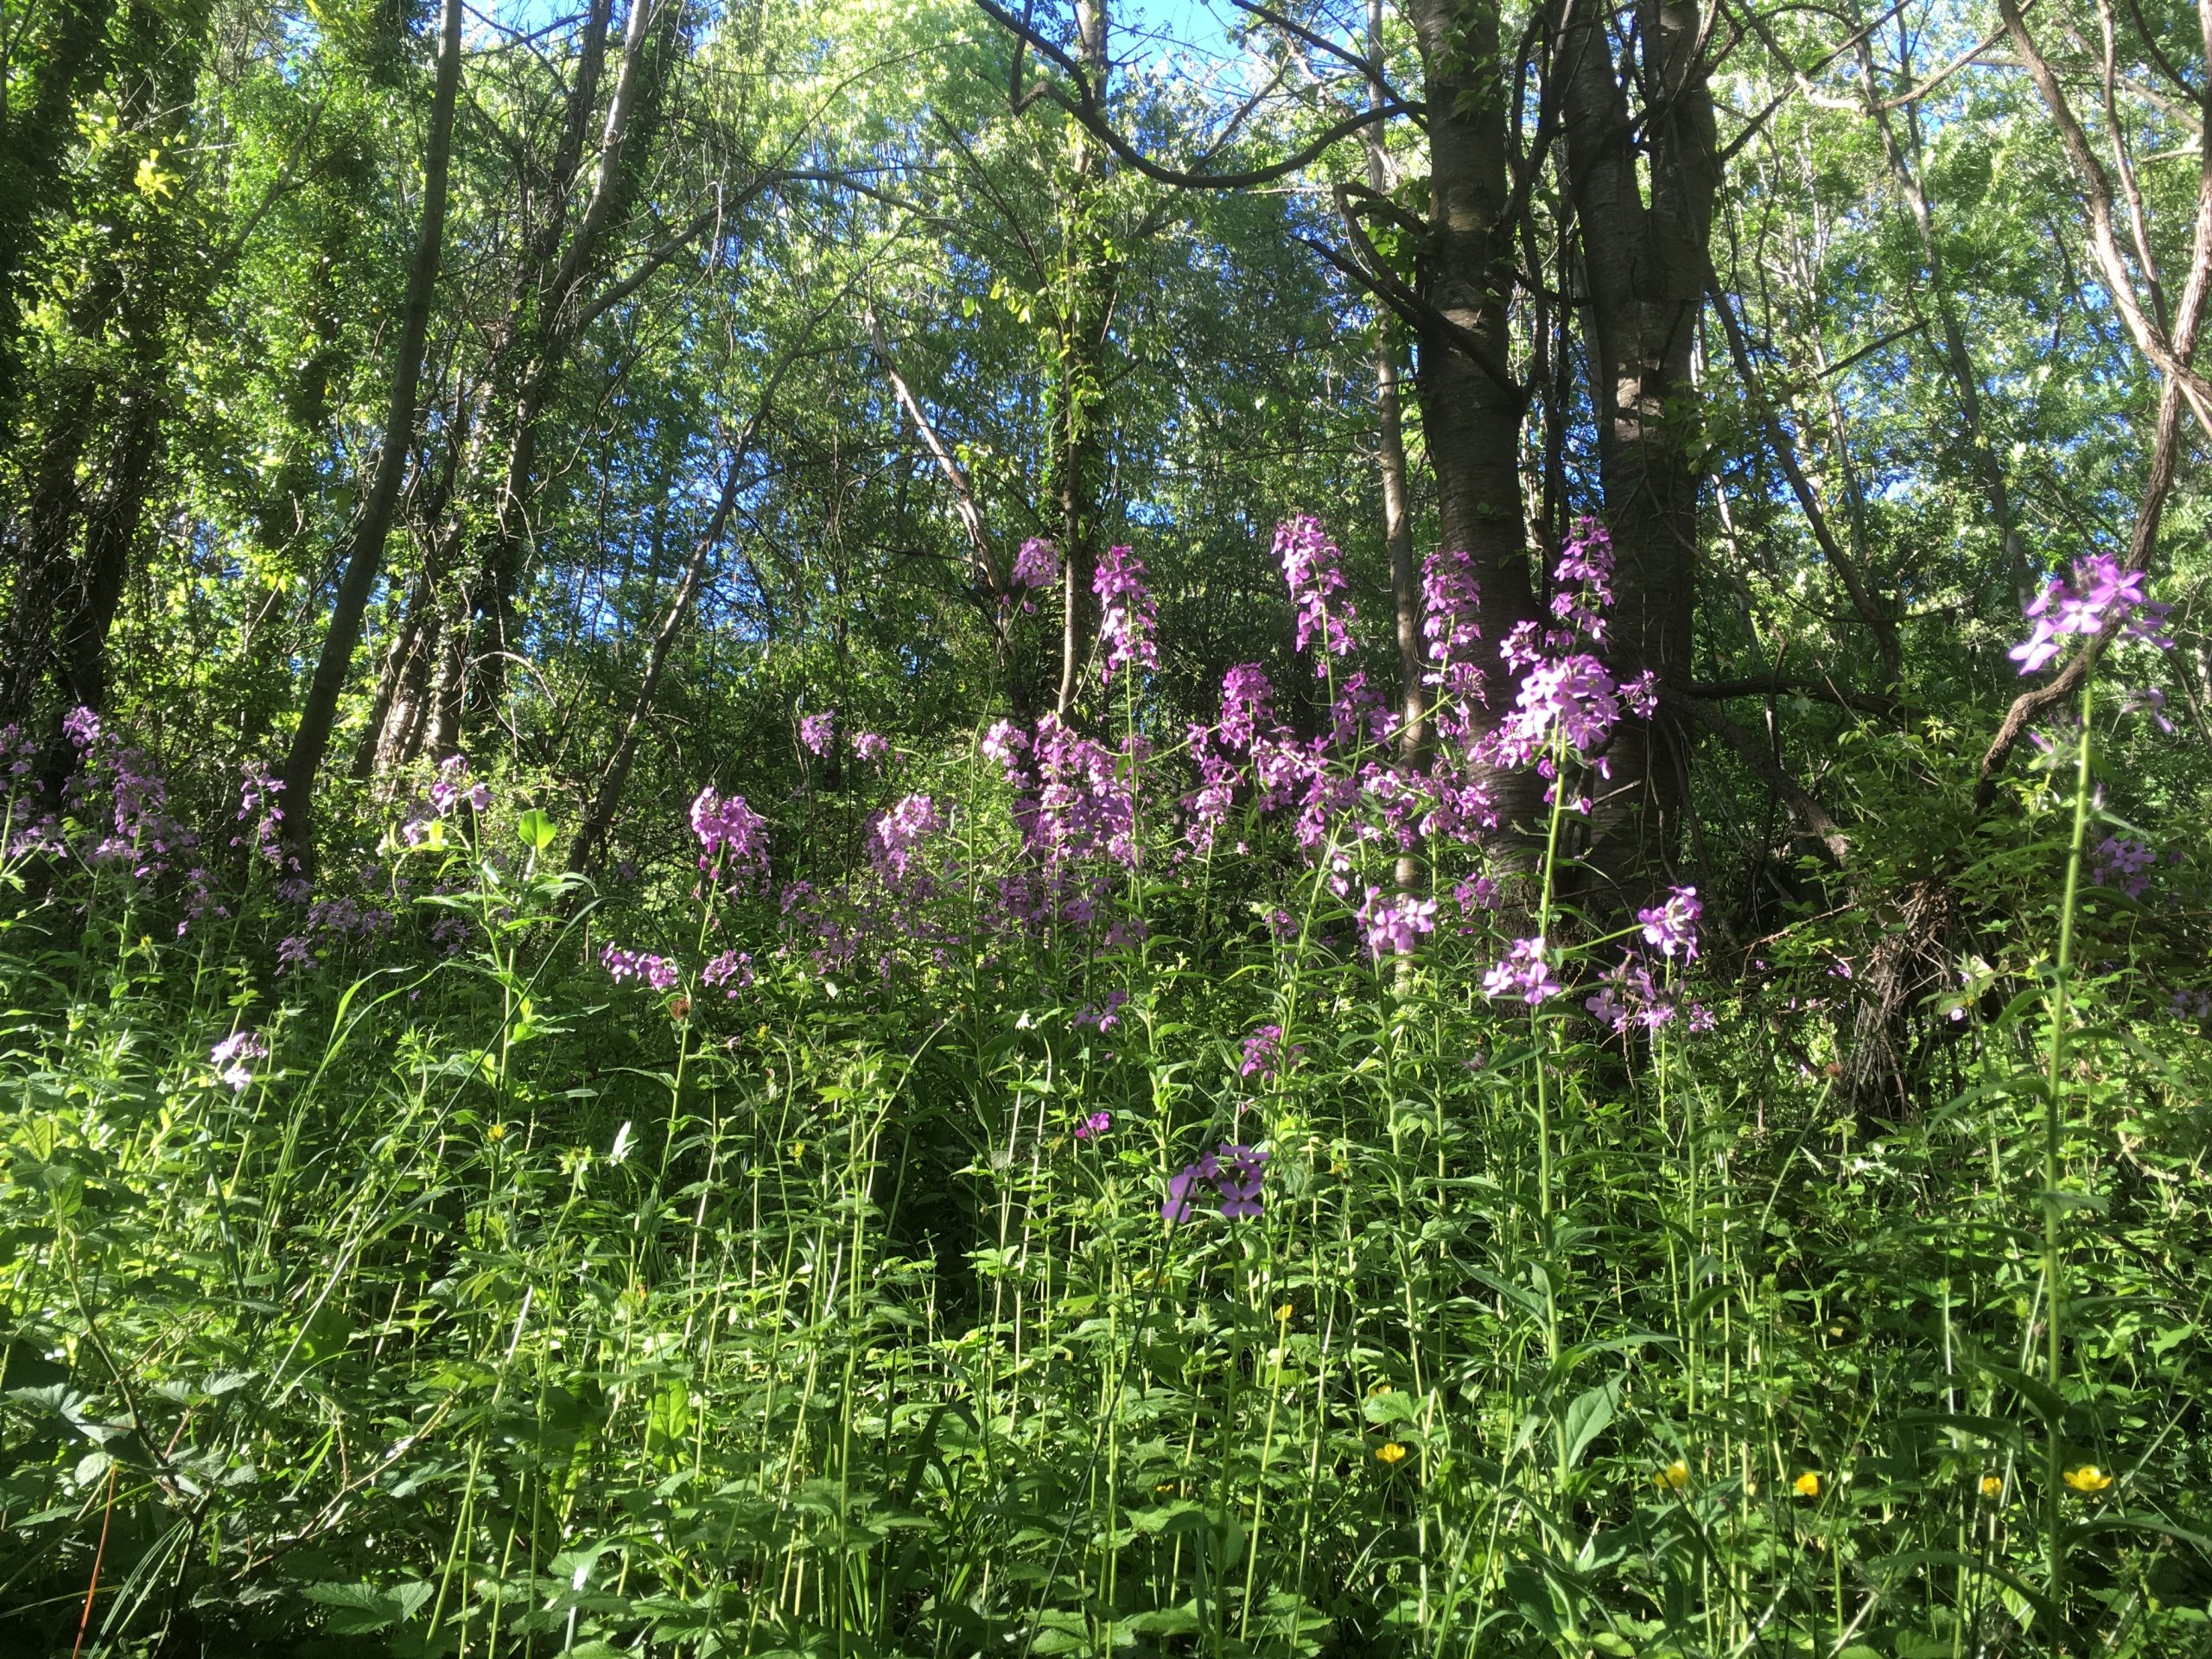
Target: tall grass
(506, 1308)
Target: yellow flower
(1392, 1453)
(497, 1132)
(1808, 1485)
(2088, 1478)
(1993, 1485)
(1675, 1477)
(1283, 1313)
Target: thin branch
(1082, 105)
(1807, 810)
(971, 516)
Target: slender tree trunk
(1080, 329)
(491, 588)
(1390, 456)
(583, 854)
(372, 527)
(1470, 406)
(1966, 379)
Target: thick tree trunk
(1644, 266)
(364, 545)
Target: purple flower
(867, 746)
(733, 968)
(1104, 1017)
(1236, 1175)
(1524, 971)
(1128, 615)
(1587, 563)
(1312, 568)
(452, 786)
(729, 830)
(1394, 922)
(230, 1056)
(1094, 1126)
(1038, 563)
(896, 833)
(1448, 598)
(81, 727)
(1642, 694)
(1264, 1056)
(2151, 701)
(2103, 595)
(1246, 697)
(815, 731)
(1673, 926)
(1574, 696)
(2123, 864)
(659, 972)
(1004, 744)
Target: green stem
(2053, 1287)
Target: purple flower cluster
(732, 969)
(730, 833)
(1078, 798)
(452, 787)
(1526, 972)
(1037, 565)
(1449, 598)
(1394, 923)
(1094, 1126)
(1673, 926)
(229, 1057)
(870, 746)
(659, 972)
(1264, 1055)
(1103, 1016)
(81, 727)
(1631, 994)
(817, 732)
(1236, 1174)
(2123, 863)
(1314, 571)
(1128, 617)
(2103, 596)
(895, 836)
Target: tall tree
(363, 555)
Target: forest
(1105, 827)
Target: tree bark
(1644, 265)
(1471, 407)
(1080, 329)
(364, 556)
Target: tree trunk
(1644, 268)
(1080, 329)
(365, 546)
(491, 589)
(1965, 380)
(1471, 407)
(607, 800)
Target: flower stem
(2053, 1085)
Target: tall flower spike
(1127, 616)
(1312, 569)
